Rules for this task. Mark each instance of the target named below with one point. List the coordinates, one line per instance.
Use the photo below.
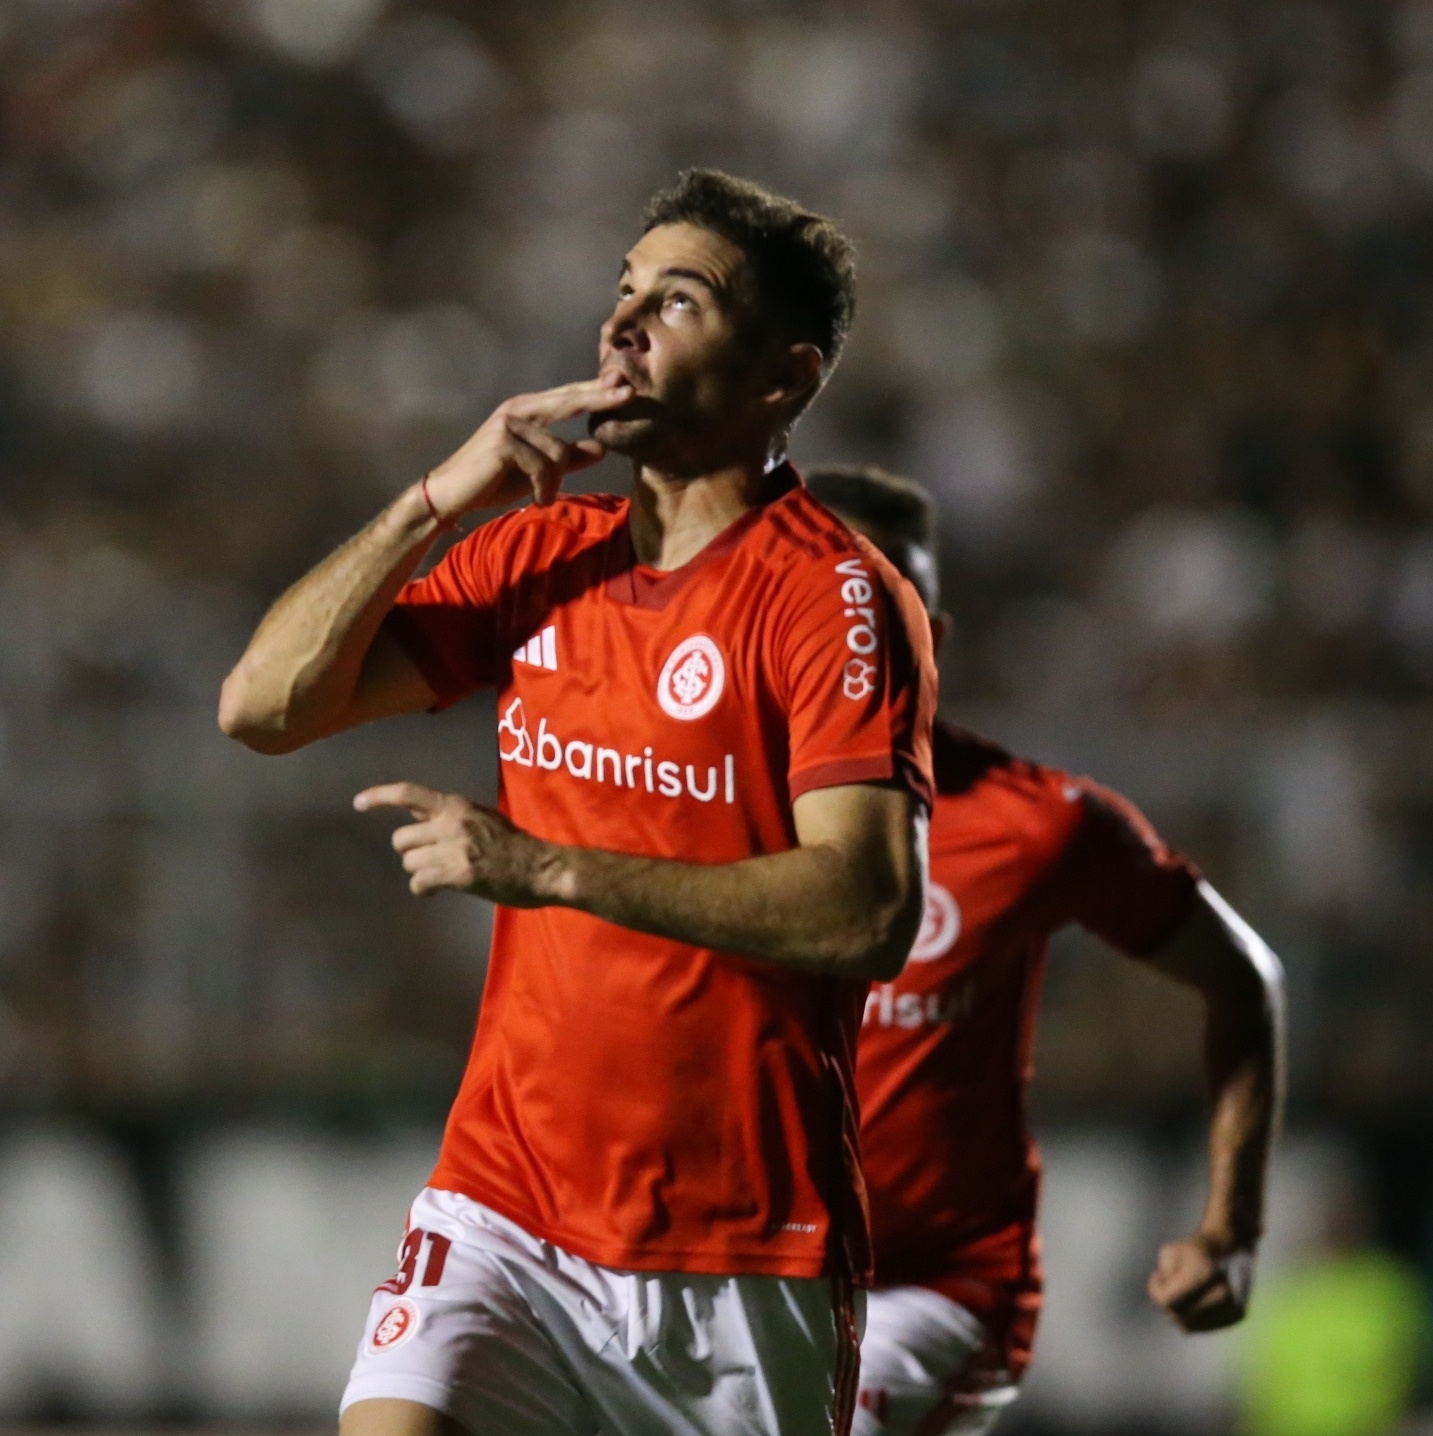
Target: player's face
(682, 334)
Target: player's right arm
(1203, 1280)
(320, 661)
(1148, 902)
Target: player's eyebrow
(678, 273)
(716, 290)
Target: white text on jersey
(887, 1008)
(594, 764)
(857, 593)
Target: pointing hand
(458, 844)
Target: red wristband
(433, 508)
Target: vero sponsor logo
(857, 593)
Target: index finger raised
(587, 396)
(420, 801)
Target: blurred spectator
(1335, 1342)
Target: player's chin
(630, 435)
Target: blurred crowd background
(1146, 298)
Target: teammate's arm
(847, 900)
(320, 661)
(1204, 1280)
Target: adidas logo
(540, 650)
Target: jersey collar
(631, 582)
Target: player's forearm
(1242, 983)
(812, 907)
(1240, 1135)
(302, 665)
(1244, 1059)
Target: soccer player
(714, 724)
(1016, 852)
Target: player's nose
(623, 329)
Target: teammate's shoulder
(969, 763)
(962, 760)
(1115, 815)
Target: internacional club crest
(939, 927)
(395, 1326)
(692, 678)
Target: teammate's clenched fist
(515, 449)
(455, 843)
(1201, 1286)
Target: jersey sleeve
(856, 673)
(1120, 879)
(452, 621)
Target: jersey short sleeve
(1120, 879)
(857, 674)
(451, 622)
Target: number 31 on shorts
(408, 1254)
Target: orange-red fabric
(642, 1103)
(944, 1060)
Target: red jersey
(640, 1102)
(1016, 852)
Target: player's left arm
(1204, 1280)
(847, 900)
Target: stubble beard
(639, 440)
(674, 434)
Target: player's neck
(674, 519)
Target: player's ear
(794, 371)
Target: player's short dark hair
(898, 513)
(803, 267)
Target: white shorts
(917, 1356)
(512, 1336)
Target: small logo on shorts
(692, 678)
(395, 1326)
(875, 1400)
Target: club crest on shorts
(940, 925)
(692, 679)
(395, 1326)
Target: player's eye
(683, 302)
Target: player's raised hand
(515, 450)
(454, 843)
(1200, 1285)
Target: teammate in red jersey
(714, 730)
(1016, 852)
